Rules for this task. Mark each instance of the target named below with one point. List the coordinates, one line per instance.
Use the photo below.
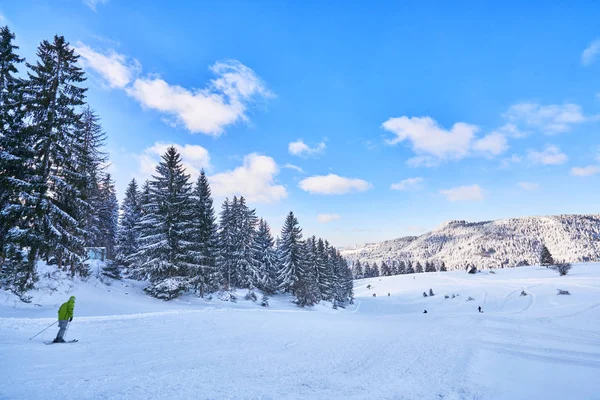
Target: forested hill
(491, 244)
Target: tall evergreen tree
(108, 216)
(443, 267)
(409, 267)
(246, 272)
(55, 205)
(429, 266)
(226, 255)
(15, 155)
(127, 234)
(401, 267)
(203, 256)
(325, 270)
(358, 270)
(266, 259)
(375, 270)
(385, 269)
(546, 258)
(166, 228)
(290, 253)
(368, 270)
(418, 268)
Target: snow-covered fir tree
(429, 266)
(358, 270)
(546, 258)
(409, 267)
(165, 229)
(127, 234)
(202, 266)
(290, 255)
(401, 267)
(385, 269)
(266, 259)
(55, 206)
(418, 268)
(108, 216)
(443, 267)
(375, 270)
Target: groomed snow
(539, 346)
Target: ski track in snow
(539, 346)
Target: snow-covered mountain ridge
(492, 244)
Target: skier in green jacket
(65, 315)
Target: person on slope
(65, 315)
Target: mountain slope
(492, 244)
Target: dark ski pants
(62, 324)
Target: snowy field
(539, 346)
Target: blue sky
(369, 121)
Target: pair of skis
(68, 341)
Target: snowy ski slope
(539, 346)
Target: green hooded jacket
(66, 310)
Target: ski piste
(68, 341)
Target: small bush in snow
(431, 292)
(523, 293)
(264, 301)
(227, 296)
(472, 269)
(424, 294)
(446, 296)
(562, 268)
(470, 299)
(251, 296)
(369, 286)
(167, 289)
(563, 292)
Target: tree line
(57, 199)
(393, 267)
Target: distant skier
(65, 315)
(480, 309)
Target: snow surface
(539, 346)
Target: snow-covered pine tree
(546, 258)
(401, 268)
(429, 266)
(343, 286)
(368, 270)
(290, 253)
(202, 266)
(385, 269)
(165, 229)
(127, 234)
(409, 267)
(226, 254)
(394, 267)
(325, 276)
(246, 271)
(108, 216)
(307, 288)
(266, 258)
(15, 155)
(55, 206)
(418, 268)
(91, 165)
(358, 270)
(375, 270)
(443, 267)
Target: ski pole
(42, 330)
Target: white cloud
(113, 67)
(408, 184)
(333, 184)
(464, 193)
(591, 53)
(193, 158)
(585, 171)
(528, 185)
(428, 138)
(551, 155)
(254, 180)
(299, 148)
(551, 119)
(493, 144)
(294, 167)
(92, 4)
(325, 218)
(224, 102)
